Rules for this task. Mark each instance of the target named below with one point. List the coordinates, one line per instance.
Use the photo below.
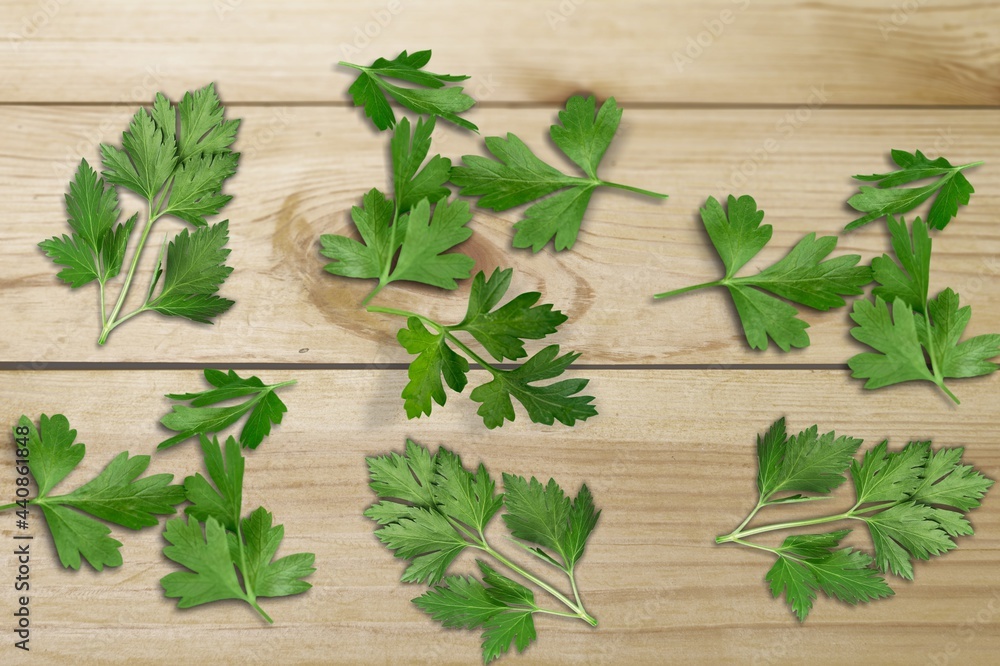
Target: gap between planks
(664, 106)
(63, 366)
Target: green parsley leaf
(947, 483)
(908, 280)
(808, 563)
(412, 179)
(264, 407)
(883, 476)
(802, 276)
(905, 340)
(96, 249)
(905, 498)
(518, 177)
(544, 404)
(888, 198)
(177, 158)
(431, 96)
(544, 515)
(404, 230)
(117, 495)
(807, 462)
(431, 509)
(194, 270)
(227, 544)
(501, 331)
(434, 360)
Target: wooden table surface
(827, 87)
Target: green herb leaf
(96, 249)
(435, 360)
(888, 198)
(431, 96)
(501, 331)
(116, 495)
(802, 276)
(544, 515)
(807, 462)
(179, 168)
(518, 177)
(213, 553)
(904, 497)
(808, 563)
(412, 179)
(904, 341)
(406, 226)
(263, 405)
(431, 509)
(194, 271)
(544, 404)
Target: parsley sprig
(804, 276)
(517, 176)
(117, 495)
(501, 331)
(912, 501)
(429, 93)
(226, 555)
(262, 406)
(886, 197)
(401, 238)
(432, 509)
(177, 158)
(915, 337)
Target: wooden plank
(687, 51)
(670, 471)
(303, 169)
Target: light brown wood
(304, 168)
(785, 101)
(684, 51)
(668, 474)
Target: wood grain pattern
(668, 476)
(684, 51)
(304, 168)
(782, 99)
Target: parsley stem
(373, 293)
(684, 290)
(637, 190)
(751, 544)
(485, 365)
(104, 314)
(443, 330)
(110, 323)
(938, 375)
(556, 613)
(737, 534)
(580, 612)
(760, 505)
(9, 506)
